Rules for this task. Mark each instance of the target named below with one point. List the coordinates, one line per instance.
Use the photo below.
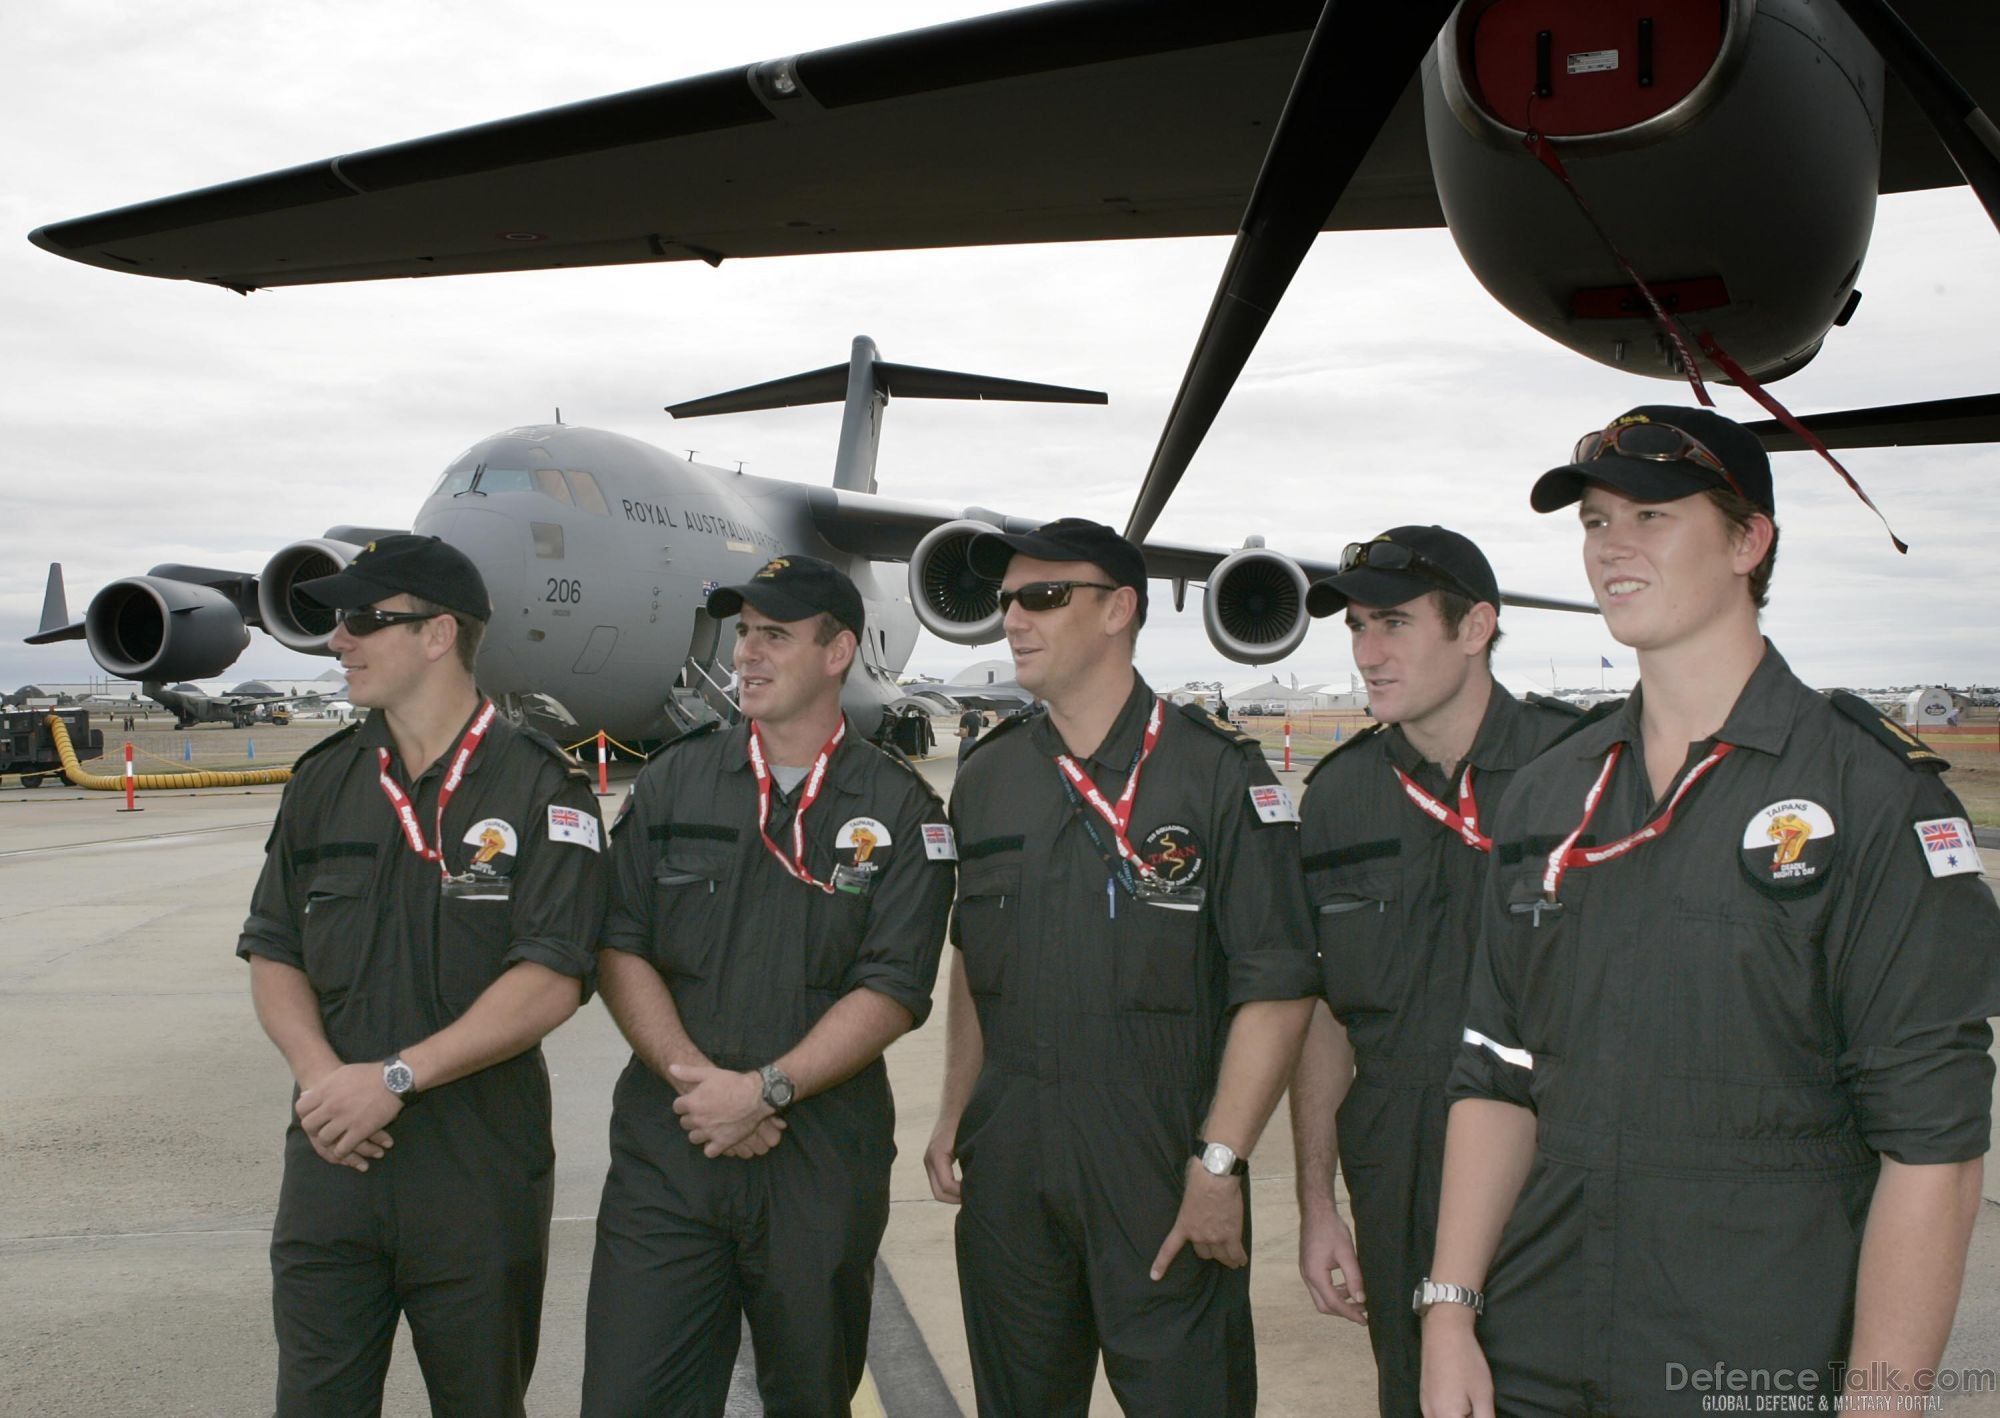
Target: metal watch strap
(1431, 1292)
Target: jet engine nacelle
(157, 628)
(951, 600)
(289, 618)
(1730, 149)
(1255, 607)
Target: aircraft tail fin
(55, 612)
(866, 383)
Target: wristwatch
(397, 1077)
(1219, 1159)
(779, 1090)
(1431, 1292)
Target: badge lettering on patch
(939, 844)
(1948, 846)
(494, 845)
(569, 824)
(1788, 845)
(1273, 803)
(1175, 853)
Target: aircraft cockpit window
(550, 481)
(456, 479)
(588, 495)
(506, 480)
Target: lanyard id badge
(1465, 821)
(795, 864)
(1128, 869)
(406, 812)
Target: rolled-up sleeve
(899, 949)
(1913, 965)
(559, 892)
(272, 928)
(1258, 894)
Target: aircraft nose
(498, 546)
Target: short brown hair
(1453, 609)
(470, 631)
(825, 626)
(1738, 510)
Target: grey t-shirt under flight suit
(1722, 1031)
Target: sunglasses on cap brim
(1389, 556)
(1047, 595)
(1654, 443)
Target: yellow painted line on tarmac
(867, 1403)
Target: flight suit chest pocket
(1364, 963)
(476, 926)
(1745, 998)
(1536, 950)
(1157, 953)
(690, 906)
(986, 922)
(337, 927)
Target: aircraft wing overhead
(1089, 119)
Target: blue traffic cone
(249, 748)
(187, 750)
(1336, 733)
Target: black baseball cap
(793, 588)
(1424, 559)
(406, 563)
(1065, 539)
(1668, 474)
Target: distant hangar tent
(1929, 708)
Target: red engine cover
(1576, 67)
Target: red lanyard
(1570, 855)
(406, 813)
(1465, 822)
(815, 780)
(1120, 816)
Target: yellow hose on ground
(74, 770)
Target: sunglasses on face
(367, 622)
(1655, 442)
(1046, 595)
(1388, 556)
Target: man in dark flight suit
(1133, 976)
(429, 909)
(1724, 1087)
(779, 908)
(1395, 858)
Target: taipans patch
(1175, 853)
(494, 845)
(1788, 847)
(860, 841)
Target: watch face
(398, 1077)
(1218, 1159)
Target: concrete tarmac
(142, 1112)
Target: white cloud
(152, 421)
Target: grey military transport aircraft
(1664, 186)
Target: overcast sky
(158, 421)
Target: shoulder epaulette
(328, 742)
(1594, 714)
(686, 735)
(1014, 720)
(1219, 726)
(570, 762)
(1369, 732)
(1557, 706)
(902, 760)
(1913, 751)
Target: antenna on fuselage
(866, 383)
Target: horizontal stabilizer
(55, 612)
(899, 381)
(1973, 419)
